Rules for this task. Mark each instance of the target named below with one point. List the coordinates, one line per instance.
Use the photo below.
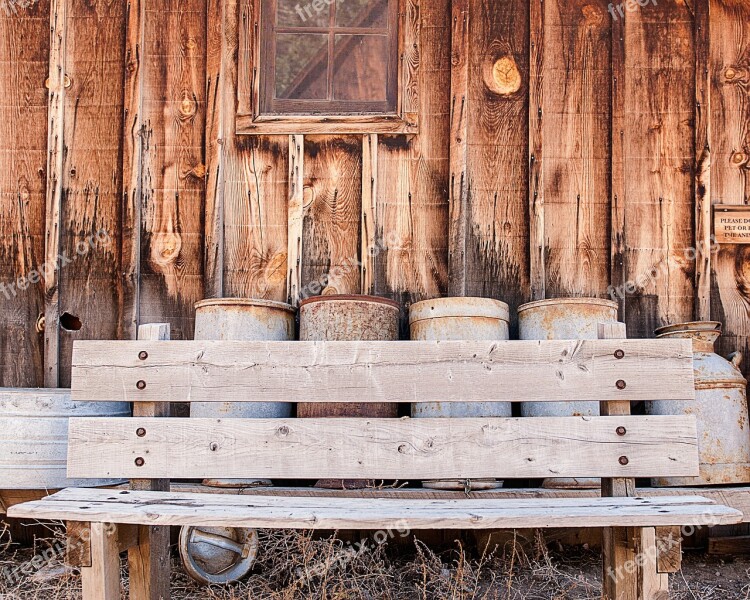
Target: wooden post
(630, 570)
(618, 543)
(149, 561)
(101, 580)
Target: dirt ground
(293, 565)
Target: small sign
(732, 224)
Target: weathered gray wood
(148, 561)
(462, 371)
(618, 548)
(101, 581)
(364, 513)
(383, 448)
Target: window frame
(251, 120)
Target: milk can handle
(735, 358)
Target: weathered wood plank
(729, 66)
(489, 214)
(172, 164)
(332, 203)
(295, 222)
(537, 257)
(248, 189)
(464, 371)
(702, 173)
(411, 205)
(363, 513)
(382, 448)
(576, 158)
(369, 242)
(91, 181)
(55, 157)
(25, 43)
(659, 152)
(616, 291)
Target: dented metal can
(460, 318)
(242, 319)
(348, 318)
(720, 408)
(564, 319)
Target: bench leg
(652, 585)
(148, 564)
(620, 577)
(101, 581)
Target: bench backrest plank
(626, 446)
(460, 371)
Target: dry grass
(296, 565)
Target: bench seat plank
(160, 508)
(383, 448)
(454, 371)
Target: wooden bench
(151, 450)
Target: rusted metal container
(720, 408)
(564, 319)
(249, 320)
(34, 437)
(347, 318)
(460, 319)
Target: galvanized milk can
(460, 319)
(34, 437)
(218, 555)
(564, 319)
(720, 408)
(248, 320)
(347, 318)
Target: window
(329, 57)
(320, 66)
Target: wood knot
(739, 159)
(503, 77)
(188, 105)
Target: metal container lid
(466, 307)
(557, 301)
(245, 302)
(688, 327)
(351, 298)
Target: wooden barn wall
(564, 149)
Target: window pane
(302, 66)
(362, 13)
(360, 67)
(302, 13)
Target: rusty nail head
(619, 354)
(139, 462)
(620, 384)
(621, 430)
(141, 385)
(140, 432)
(143, 355)
(624, 460)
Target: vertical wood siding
(563, 149)
(24, 64)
